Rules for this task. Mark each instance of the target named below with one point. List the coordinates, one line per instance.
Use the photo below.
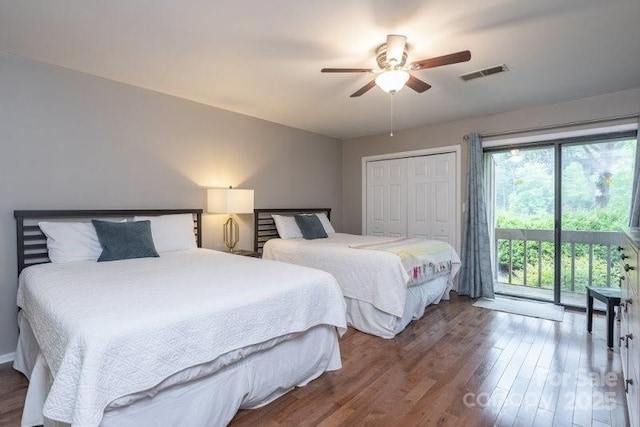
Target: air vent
(485, 72)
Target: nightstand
(247, 253)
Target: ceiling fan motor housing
(383, 63)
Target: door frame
(457, 149)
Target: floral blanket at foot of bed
(422, 259)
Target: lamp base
(231, 233)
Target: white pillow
(171, 232)
(328, 228)
(287, 227)
(71, 241)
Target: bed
(383, 291)
(184, 338)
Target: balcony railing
(597, 248)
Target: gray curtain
(476, 278)
(634, 219)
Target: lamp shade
(392, 81)
(229, 200)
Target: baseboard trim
(7, 358)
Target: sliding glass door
(523, 214)
(557, 209)
(595, 202)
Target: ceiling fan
(394, 73)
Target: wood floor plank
(494, 405)
(531, 398)
(543, 418)
(567, 396)
(513, 402)
(539, 332)
(583, 408)
(458, 365)
(513, 368)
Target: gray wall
(74, 141)
(451, 133)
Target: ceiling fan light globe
(392, 81)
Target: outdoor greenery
(596, 194)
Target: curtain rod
(556, 126)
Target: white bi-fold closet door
(387, 198)
(413, 196)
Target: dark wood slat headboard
(265, 228)
(32, 243)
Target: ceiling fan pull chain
(391, 134)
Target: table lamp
(230, 201)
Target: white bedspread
(111, 329)
(373, 276)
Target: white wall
(73, 141)
(451, 133)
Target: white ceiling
(263, 58)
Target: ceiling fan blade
(363, 89)
(417, 84)
(346, 70)
(439, 61)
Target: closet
(413, 196)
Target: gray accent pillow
(310, 227)
(124, 240)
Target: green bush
(610, 219)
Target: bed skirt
(366, 318)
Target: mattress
(110, 330)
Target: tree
(534, 190)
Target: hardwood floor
(458, 365)
(13, 389)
